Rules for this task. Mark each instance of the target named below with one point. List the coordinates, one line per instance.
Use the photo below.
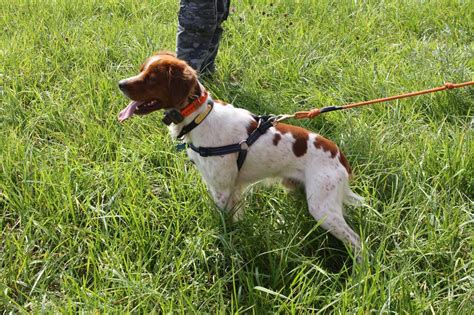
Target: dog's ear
(182, 80)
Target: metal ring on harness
(244, 145)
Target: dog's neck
(175, 129)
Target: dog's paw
(353, 199)
(237, 214)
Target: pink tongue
(128, 111)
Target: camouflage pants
(199, 32)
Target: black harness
(263, 124)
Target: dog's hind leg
(325, 194)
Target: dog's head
(164, 82)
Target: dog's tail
(352, 199)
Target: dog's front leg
(227, 199)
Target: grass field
(101, 217)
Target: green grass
(101, 217)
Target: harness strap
(215, 151)
(264, 123)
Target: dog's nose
(122, 84)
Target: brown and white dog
(293, 154)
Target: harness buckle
(204, 152)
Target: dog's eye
(152, 77)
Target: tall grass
(101, 217)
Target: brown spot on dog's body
(326, 145)
(329, 146)
(252, 126)
(300, 147)
(301, 135)
(345, 163)
(276, 139)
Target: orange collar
(192, 107)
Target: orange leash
(317, 111)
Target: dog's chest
(215, 170)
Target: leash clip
(282, 117)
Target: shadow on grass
(270, 247)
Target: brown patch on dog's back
(329, 146)
(345, 163)
(326, 145)
(276, 139)
(251, 127)
(301, 135)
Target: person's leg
(197, 23)
(222, 13)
